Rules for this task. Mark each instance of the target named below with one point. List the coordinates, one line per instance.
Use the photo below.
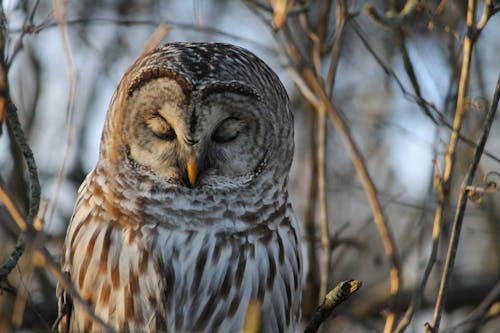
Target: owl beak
(192, 170)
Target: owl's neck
(184, 207)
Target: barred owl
(185, 219)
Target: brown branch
(407, 95)
(342, 16)
(334, 298)
(4, 87)
(317, 41)
(366, 181)
(156, 37)
(408, 65)
(479, 314)
(50, 23)
(6, 106)
(323, 213)
(443, 183)
(310, 298)
(28, 21)
(462, 205)
(489, 11)
(32, 237)
(309, 82)
(392, 19)
(463, 294)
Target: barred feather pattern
(196, 270)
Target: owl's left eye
(228, 130)
(161, 128)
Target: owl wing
(109, 256)
(65, 302)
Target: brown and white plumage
(185, 218)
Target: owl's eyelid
(169, 133)
(231, 119)
(158, 115)
(221, 137)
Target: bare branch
(409, 96)
(33, 238)
(334, 298)
(35, 29)
(323, 213)
(461, 207)
(392, 19)
(6, 106)
(480, 312)
(367, 182)
(156, 37)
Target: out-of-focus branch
(28, 21)
(156, 37)
(392, 19)
(366, 181)
(489, 11)
(480, 313)
(72, 73)
(8, 108)
(462, 204)
(408, 95)
(124, 22)
(463, 294)
(443, 183)
(316, 48)
(342, 16)
(323, 213)
(252, 318)
(13, 121)
(32, 237)
(310, 298)
(335, 297)
(310, 82)
(4, 91)
(408, 65)
(296, 9)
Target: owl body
(185, 220)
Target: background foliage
(390, 100)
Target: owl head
(199, 115)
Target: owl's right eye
(161, 128)
(228, 130)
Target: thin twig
(19, 43)
(6, 106)
(72, 74)
(335, 53)
(314, 85)
(312, 278)
(443, 183)
(479, 314)
(392, 19)
(334, 298)
(156, 37)
(489, 11)
(323, 213)
(317, 41)
(408, 65)
(461, 207)
(366, 181)
(35, 29)
(407, 95)
(32, 239)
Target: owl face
(204, 137)
(199, 115)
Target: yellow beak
(192, 170)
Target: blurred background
(390, 70)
